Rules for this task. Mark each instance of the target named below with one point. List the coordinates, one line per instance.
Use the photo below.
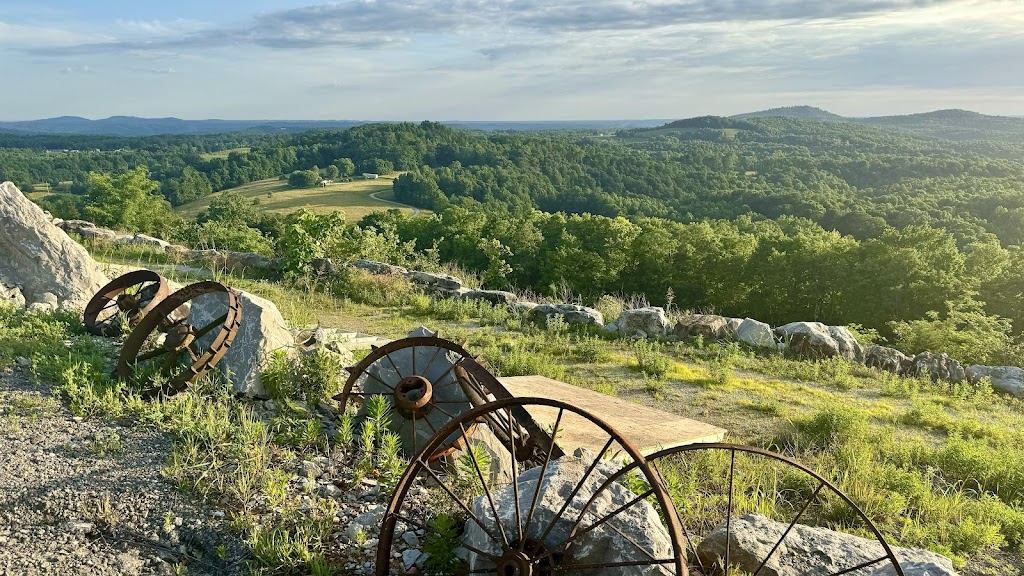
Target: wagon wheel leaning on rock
(124, 301)
(167, 354)
(721, 492)
(418, 377)
(557, 517)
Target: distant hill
(798, 112)
(953, 125)
(133, 126)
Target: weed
(650, 360)
(440, 543)
(105, 442)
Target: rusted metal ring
(202, 360)
(525, 551)
(133, 294)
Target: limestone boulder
(707, 326)
(333, 340)
(524, 306)
(887, 359)
(248, 260)
(11, 295)
(430, 279)
(39, 258)
(492, 296)
(634, 534)
(1009, 379)
(380, 268)
(323, 267)
(211, 258)
(847, 344)
(755, 334)
(937, 367)
(74, 225)
(733, 324)
(809, 551)
(150, 242)
(572, 313)
(261, 333)
(422, 332)
(649, 321)
(100, 234)
(809, 339)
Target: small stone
(409, 558)
(23, 362)
(411, 539)
(309, 468)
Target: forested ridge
(772, 217)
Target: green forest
(915, 235)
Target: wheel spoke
(543, 473)
(515, 476)
(457, 500)
(414, 359)
(592, 566)
(728, 519)
(393, 365)
(426, 528)
(372, 375)
(209, 327)
(790, 527)
(576, 489)
(860, 566)
(483, 483)
(426, 369)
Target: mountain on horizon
(798, 112)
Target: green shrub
(649, 359)
(833, 427)
(440, 543)
(319, 375)
(610, 307)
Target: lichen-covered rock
(100, 234)
(808, 551)
(73, 225)
(212, 258)
(1009, 379)
(443, 281)
(707, 326)
(333, 340)
(261, 332)
(937, 367)
(634, 534)
(887, 359)
(733, 324)
(40, 258)
(323, 267)
(755, 334)
(809, 339)
(492, 296)
(847, 344)
(572, 313)
(650, 321)
(380, 268)
(422, 332)
(524, 306)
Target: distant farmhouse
(370, 176)
(325, 182)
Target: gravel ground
(86, 497)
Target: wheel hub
(413, 395)
(178, 337)
(515, 563)
(127, 303)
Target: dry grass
(353, 198)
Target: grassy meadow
(274, 195)
(936, 466)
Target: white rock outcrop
(650, 321)
(39, 258)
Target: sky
(506, 59)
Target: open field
(353, 198)
(225, 153)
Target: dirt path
(415, 210)
(82, 496)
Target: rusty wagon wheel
(417, 377)
(175, 352)
(124, 301)
(722, 493)
(553, 518)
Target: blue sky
(506, 59)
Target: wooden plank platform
(647, 428)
